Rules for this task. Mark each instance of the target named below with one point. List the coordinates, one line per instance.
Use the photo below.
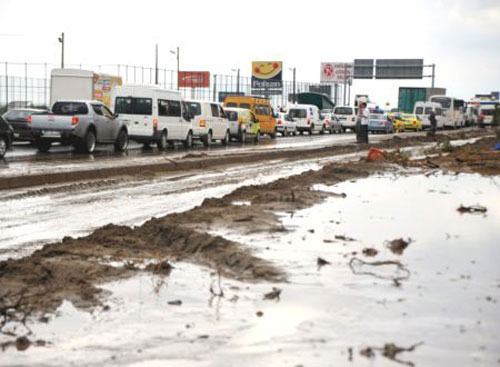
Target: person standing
(432, 119)
(364, 119)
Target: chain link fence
(28, 84)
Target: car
(209, 122)
(18, 119)
(262, 109)
(81, 123)
(423, 109)
(153, 115)
(243, 124)
(6, 136)
(285, 125)
(331, 124)
(347, 116)
(306, 118)
(486, 113)
(380, 123)
(412, 122)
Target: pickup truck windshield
(70, 108)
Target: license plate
(51, 134)
(17, 135)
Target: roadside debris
(472, 209)
(398, 246)
(344, 238)
(375, 154)
(370, 252)
(390, 351)
(274, 294)
(177, 302)
(322, 262)
(397, 275)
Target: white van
(347, 116)
(209, 122)
(153, 114)
(486, 112)
(306, 118)
(423, 109)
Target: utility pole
(433, 74)
(238, 82)
(156, 65)
(293, 86)
(178, 63)
(61, 39)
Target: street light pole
(237, 80)
(178, 63)
(156, 65)
(293, 87)
(61, 39)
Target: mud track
(73, 268)
(192, 161)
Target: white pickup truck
(80, 123)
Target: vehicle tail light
(28, 119)
(279, 122)
(202, 123)
(75, 120)
(353, 119)
(155, 124)
(308, 121)
(384, 123)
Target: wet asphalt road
(25, 160)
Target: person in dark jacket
(432, 119)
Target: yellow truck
(260, 107)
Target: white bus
(453, 110)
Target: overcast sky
(462, 37)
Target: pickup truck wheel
(207, 139)
(121, 143)
(188, 143)
(226, 139)
(43, 146)
(162, 142)
(3, 146)
(89, 142)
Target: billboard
(103, 85)
(363, 68)
(399, 69)
(267, 77)
(223, 95)
(336, 72)
(194, 79)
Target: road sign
(399, 69)
(336, 72)
(363, 68)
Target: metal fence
(29, 83)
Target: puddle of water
(450, 301)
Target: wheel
(285, 132)
(241, 136)
(89, 142)
(207, 139)
(295, 133)
(3, 146)
(43, 146)
(226, 139)
(322, 131)
(121, 143)
(273, 135)
(188, 143)
(301, 132)
(311, 129)
(162, 142)
(344, 129)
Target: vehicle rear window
(232, 115)
(343, 111)
(419, 110)
(169, 108)
(428, 110)
(262, 110)
(134, 106)
(297, 113)
(245, 105)
(195, 108)
(70, 108)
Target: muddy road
(325, 261)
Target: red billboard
(194, 79)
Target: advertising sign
(336, 72)
(267, 77)
(103, 85)
(194, 79)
